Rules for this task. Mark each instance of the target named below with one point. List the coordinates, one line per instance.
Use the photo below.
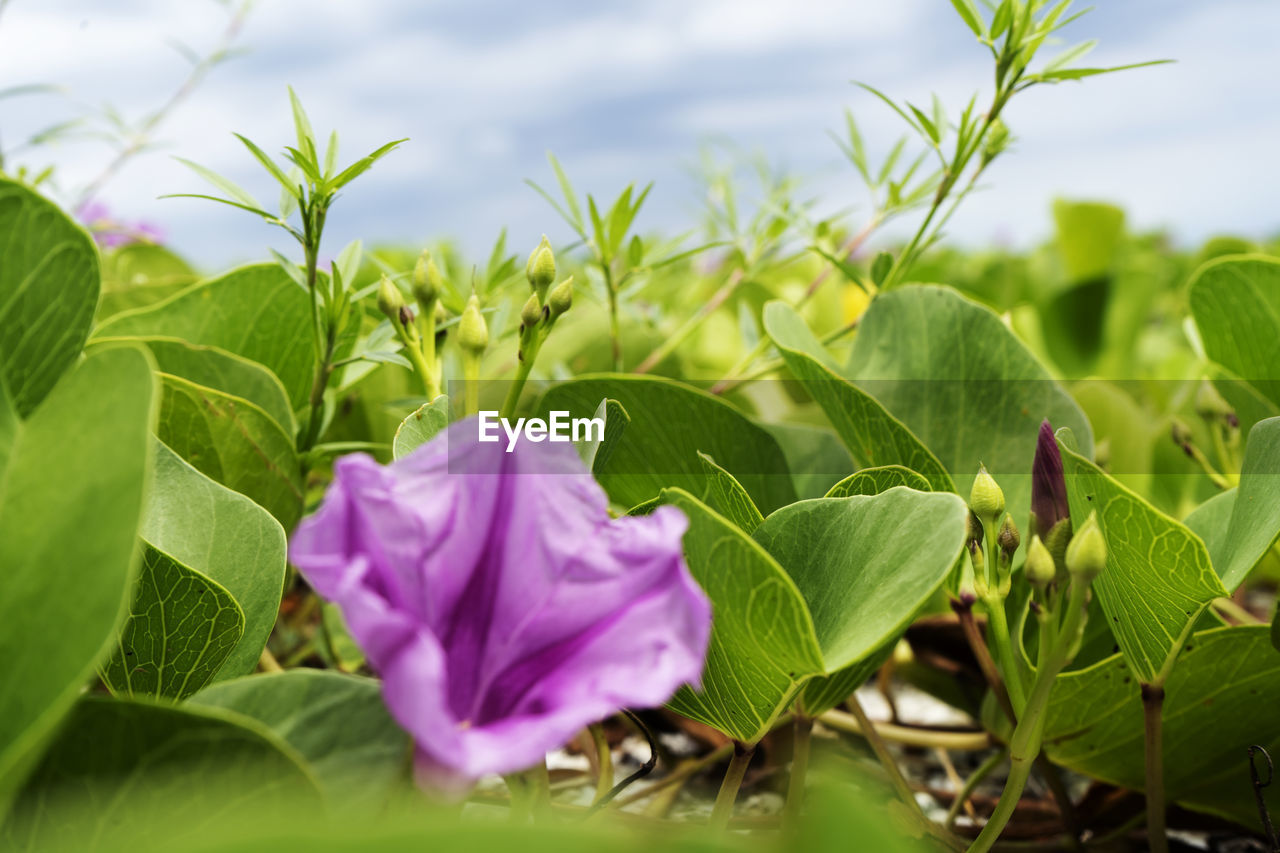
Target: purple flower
(110, 232)
(1048, 488)
(502, 606)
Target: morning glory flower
(501, 605)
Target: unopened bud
(1181, 435)
(561, 298)
(1039, 567)
(427, 281)
(541, 267)
(1087, 552)
(406, 316)
(473, 333)
(1008, 539)
(390, 299)
(985, 498)
(532, 311)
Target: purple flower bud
(1048, 488)
(501, 605)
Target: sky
(631, 90)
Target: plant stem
(1228, 607)
(983, 770)
(604, 761)
(471, 384)
(1024, 746)
(907, 735)
(530, 793)
(878, 746)
(615, 336)
(985, 663)
(799, 769)
(1152, 718)
(998, 631)
(723, 809)
(691, 325)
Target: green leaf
(873, 436)
(1239, 527)
(969, 14)
(301, 124)
(570, 197)
(71, 495)
(420, 427)
(234, 442)
(965, 386)
(276, 172)
(255, 311)
(48, 293)
(866, 564)
(225, 536)
(670, 423)
(1236, 305)
(220, 370)
(336, 722)
(616, 420)
(726, 496)
(1219, 699)
(816, 457)
(242, 197)
(123, 771)
(763, 646)
(873, 481)
(139, 274)
(1158, 577)
(181, 628)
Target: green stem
(420, 365)
(429, 350)
(471, 383)
(1153, 723)
(723, 809)
(615, 336)
(983, 770)
(530, 793)
(998, 629)
(1024, 746)
(691, 325)
(799, 769)
(523, 367)
(604, 761)
(878, 746)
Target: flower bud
(1008, 539)
(985, 498)
(1087, 552)
(1048, 486)
(1181, 435)
(427, 281)
(390, 299)
(541, 267)
(473, 333)
(531, 313)
(561, 298)
(1039, 567)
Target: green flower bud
(985, 498)
(561, 298)
(1210, 405)
(427, 281)
(531, 313)
(541, 268)
(1008, 539)
(1087, 553)
(390, 299)
(1056, 541)
(473, 333)
(1039, 568)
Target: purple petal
(501, 605)
(1048, 488)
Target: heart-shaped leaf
(227, 538)
(873, 436)
(1251, 511)
(726, 496)
(1158, 577)
(121, 771)
(1220, 698)
(255, 311)
(234, 442)
(72, 480)
(336, 722)
(965, 386)
(48, 293)
(873, 481)
(670, 424)
(180, 630)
